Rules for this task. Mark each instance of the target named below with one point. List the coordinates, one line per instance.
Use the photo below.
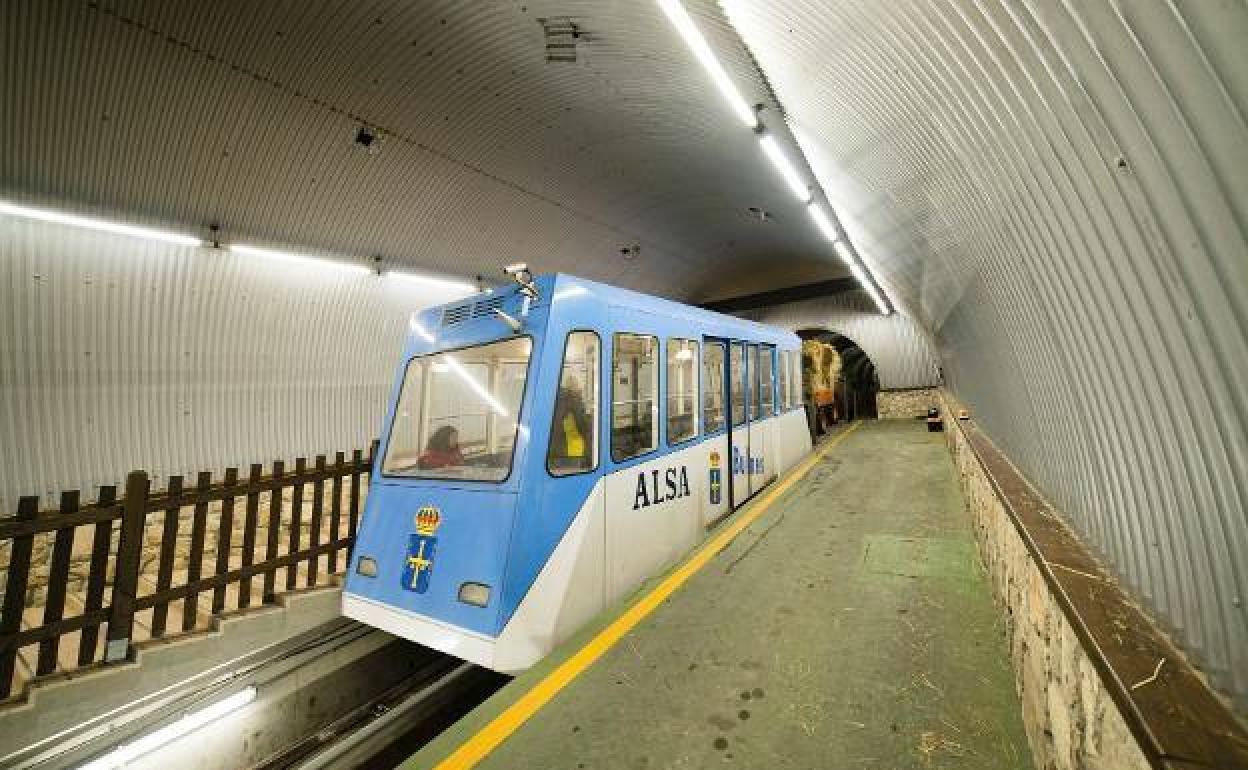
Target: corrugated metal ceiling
(245, 113)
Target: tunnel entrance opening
(836, 388)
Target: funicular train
(551, 445)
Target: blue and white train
(551, 445)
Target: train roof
(615, 295)
(555, 287)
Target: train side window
(767, 379)
(756, 396)
(712, 386)
(737, 365)
(634, 390)
(784, 380)
(682, 390)
(574, 427)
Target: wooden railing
(84, 583)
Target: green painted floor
(849, 627)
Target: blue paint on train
(501, 533)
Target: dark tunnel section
(853, 394)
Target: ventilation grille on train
(483, 309)
(486, 307)
(453, 315)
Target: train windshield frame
(458, 413)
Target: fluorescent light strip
(697, 44)
(128, 752)
(867, 286)
(434, 283)
(45, 215)
(777, 158)
(842, 251)
(879, 303)
(821, 219)
(306, 261)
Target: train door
(717, 502)
(755, 458)
(762, 404)
(739, 424)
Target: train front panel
(433, 545)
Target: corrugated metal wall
(1058, 190)
(900, 349)
(118, 353)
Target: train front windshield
(458, 413)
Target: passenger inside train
(457, 414)
(443, 450)
(573, 438)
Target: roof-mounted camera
(520, 273)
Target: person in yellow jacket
(571, 432)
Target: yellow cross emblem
(418, 563)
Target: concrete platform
(849, 625)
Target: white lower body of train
(632, 526)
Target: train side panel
(653, 516)
(567, 593)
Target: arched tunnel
(860, 383)
(818, 383)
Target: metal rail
(374, 728)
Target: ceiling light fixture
(782, 164)
(842, 251)
(128, 752)
(879, 303)
(697, 44)
(821, 220)
(867, 286)
(306, 261)
(859, 275)
(45, 215)
(434, 283)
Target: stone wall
(905, 404)
(1070, 718)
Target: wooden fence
(145, 556)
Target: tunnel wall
(899, 348)
(1072, 720)
(1055, 190)
(906, 403)
(121, 353)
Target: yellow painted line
(480, 745)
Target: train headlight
(476, 594)
(366, 566)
